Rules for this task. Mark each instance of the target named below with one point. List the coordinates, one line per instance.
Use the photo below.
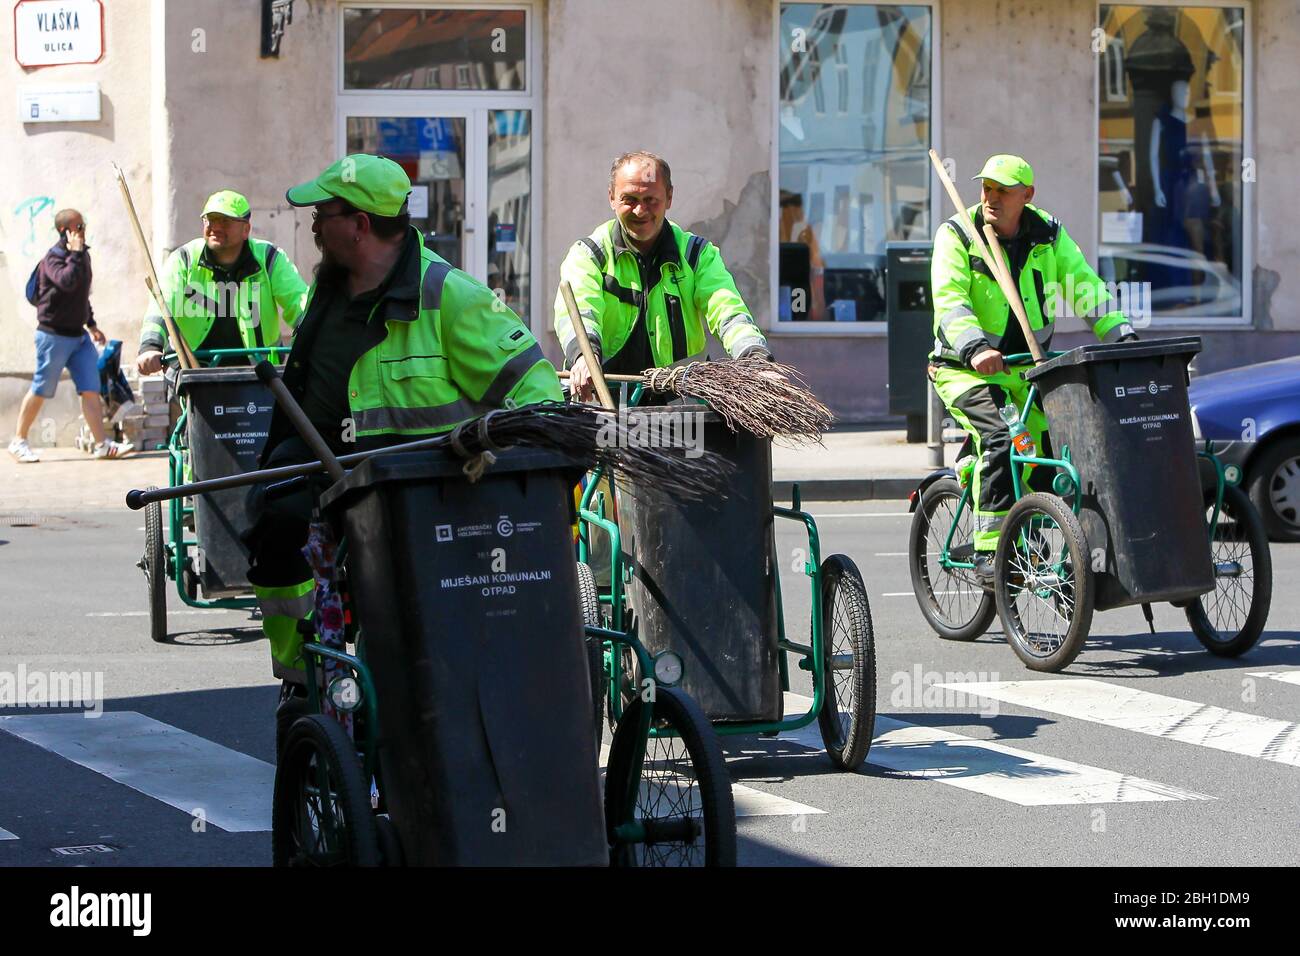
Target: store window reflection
(854, 130)
(510, 206)
(1170, 158)
(422, 49)
(432, 151)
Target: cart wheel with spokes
(848, 713)
(154, 564)
(1042, 582)
(1230, 619)
(674, 808)
(320, 807)
(595, 646)
(952, 600)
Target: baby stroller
(115, 394)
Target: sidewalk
(851, 465)
(66, 479)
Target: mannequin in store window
(1184, 187)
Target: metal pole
(934, 426)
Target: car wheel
(1274, 488)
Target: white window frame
(1247, 318)
(474, 106)
(775, 327)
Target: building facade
(1162, 134)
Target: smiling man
(225, 289)
(645, 287)
(974, 329)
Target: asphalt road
(1146, 751)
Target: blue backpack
(34, 284)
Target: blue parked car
(1255, 411)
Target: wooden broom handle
(183, 353)
(584, 343)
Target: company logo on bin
(1153, 388)
(505, 527)
(218, 410)
(252, 408)
(442, 532)
(1119, 391)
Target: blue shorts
(54, 353)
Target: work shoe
(23, 451)
(984, 567)
(113, 449)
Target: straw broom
(762, 397)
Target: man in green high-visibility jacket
(645, 287)
(975, 330)
(225, 289)
(395, 344)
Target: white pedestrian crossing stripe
(1286, 677)
(1156, 715)
(230, 789)
(992, 769)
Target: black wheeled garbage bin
(703, 579)
(229, 412)
(467, 600)
(1123, 412)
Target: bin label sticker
(241, 438)
(504, 528)
(497, 583)
(1151, 388)
(1151, 422)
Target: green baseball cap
(372, 184)
(1008, 170)
(229, 203)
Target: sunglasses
(317, 215)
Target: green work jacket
(970, 311)
(681, 291)
(444, 349)
(257, 298)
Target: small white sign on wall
(54, 32)
(59, 103)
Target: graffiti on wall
(27, 213)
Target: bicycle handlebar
(264, 351)
(1021, 358)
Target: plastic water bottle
(1020, 437)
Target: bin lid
(408, 466)
(235, 374)
(1187, 345)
